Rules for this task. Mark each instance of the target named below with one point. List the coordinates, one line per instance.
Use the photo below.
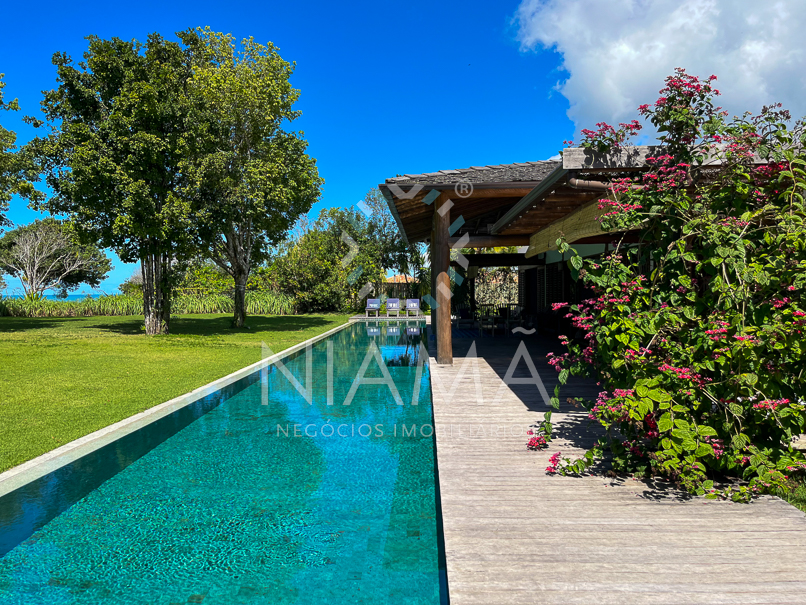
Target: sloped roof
(522, 172)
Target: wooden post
(441, 260)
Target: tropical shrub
(258, 303)
(697, 334)
(320, 271)
(269, 303)
(38, 306)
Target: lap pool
(251, 494)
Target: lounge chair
(392, 306)
(413, 306)
(374, 304)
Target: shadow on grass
(21, 324)
(189, 325)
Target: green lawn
(61, 379)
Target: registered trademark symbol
(463, 188)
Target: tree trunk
(156, 293)
(241, 277)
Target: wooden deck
(515, 535)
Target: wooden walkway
(515, 535)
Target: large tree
(47, 255)
(120, 123)
(249, 174)
(16, 170)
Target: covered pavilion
(524, 204)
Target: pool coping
(24, 473)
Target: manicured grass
(63, 378)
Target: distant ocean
(80, 296)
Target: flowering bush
(696, 333)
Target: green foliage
(88, 307)
(119, 131)
(258, 303)
(269, 303)
(205, 278)
(249, 177)
(17, 170)
(697, 334)
(312, 272)
(497, 285)
(120, 127)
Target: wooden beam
(535, 195)
(493, 241)
(497, 260)
(393, 209)
(442, 260)
(579, 224)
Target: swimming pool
(251, 494)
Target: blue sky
(387, 87)
(405, 87)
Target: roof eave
(541, 189)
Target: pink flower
(554, 462)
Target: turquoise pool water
(252, 495)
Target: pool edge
(24, 473)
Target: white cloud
(617, 52)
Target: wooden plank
(542, 190)
(580, 224)
(493, 241)
(577, 225)
(495, 260)
(516, 535)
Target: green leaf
(749, 378)
(704, 449)
(665, 423)
(706, 431)
(659, 395)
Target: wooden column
(441, 260)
